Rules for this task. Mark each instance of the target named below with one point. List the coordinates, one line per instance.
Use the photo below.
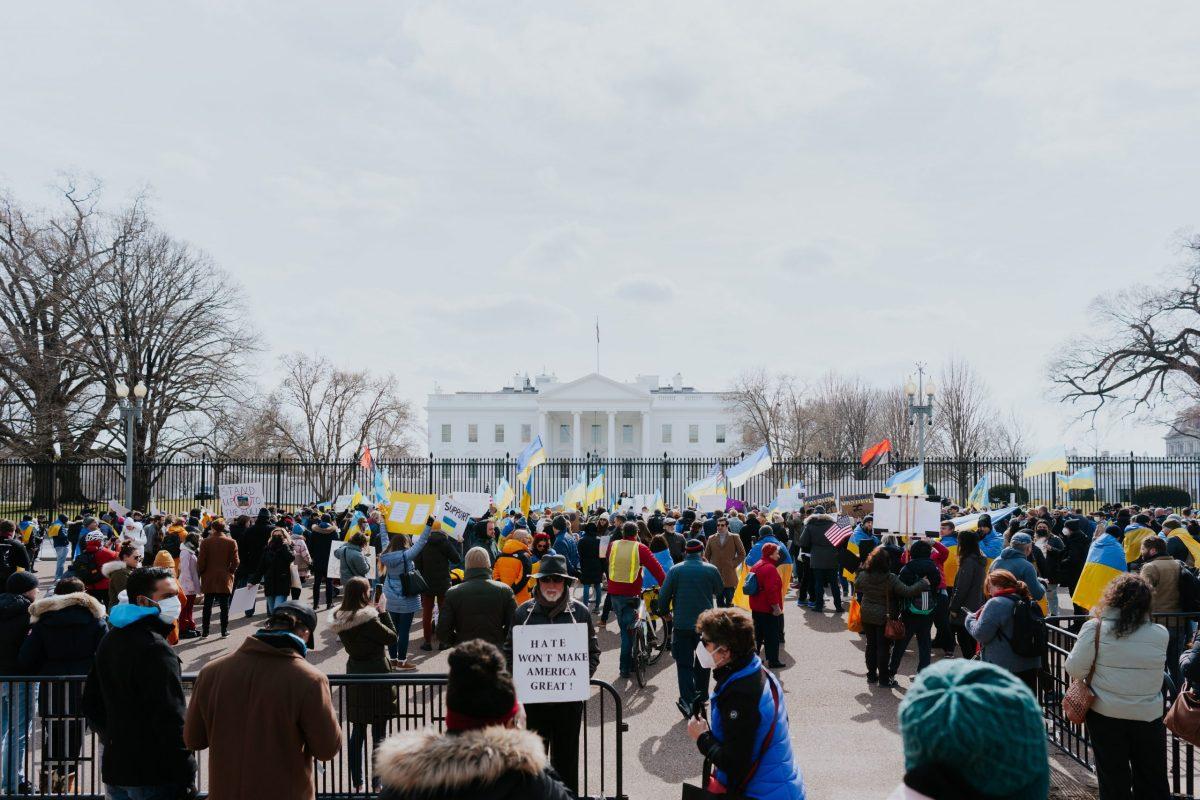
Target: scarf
(553, 609)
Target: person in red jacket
(89, 566)
(766, 604)
(626, 558)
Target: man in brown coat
(725, 551)
(216, 565)
(265, 713)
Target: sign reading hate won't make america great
(551, 663)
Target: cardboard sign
(550, 663)
(407, 512)
(243, 600)
(240, 498)
(342, 502)
(455, 510)
(857, 505)
(828, 500)
(907, 515)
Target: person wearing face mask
(557, 723)
(134, 698)
(264, 713)
(745, 737)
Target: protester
(366, 634)
(61, 540)
(1125, 724)
(1163, 573)
(626, 559)
(88, 566)
(565, 542)
(13, 555)
(557, 723)
(766, 604)
(479, 607)
(691, 587)
(275, 569)
(917, 611)
(134, 697)
(189, 584)
(880, 593)
(352, 563)
(1015, 559)
(217, 566)
(402, 605)
(514, 565)
(971, 730)
(264, 713)
(16, 698)
(724, 551)
(746, 736)
(128, 559)
(1051, 550)
(993, 627)
(824, 566)
(66, 630)
(968, 590)
(303, 559)
(321, 536)
(483, 753)
(591, 565)
(250, 549)
(435, 561)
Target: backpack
(526, 570)
(1029, 629)
(7, 565)
(86, 569)
(1189, 590)
(750, 585)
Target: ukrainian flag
(533, 454)
(991, 545)
(859, 535)
(356, 495)
(756, 463)
(978, 498)
(1083, 478)
(503, 497)
(527, 494)
(658, 504)
(1134, 536)
(1052, 459)
(380, 488)
(907, 482)
(1105, 561)
(576, 494)
(950, 568)
(595, 490)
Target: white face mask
(704, 657)
(169, 609)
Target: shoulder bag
(894, 628)
(691, 792)
(1079, 696)
(412, 582)
(1183, 719)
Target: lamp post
(131, 414)
(918, 414)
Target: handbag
(295, 573)
(412, 583)
(691, 792)
(750, 585)
(1183, 719)
(854, 617)
(1079, 696)
(894, 628)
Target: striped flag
(877, 454)
(840, 531)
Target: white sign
(710, 502)
(550, 663)
(243, 600)
(454, 510)
(240, 498)
(342, 502)
(789, 500)
(604, 541)
(120, 510)
(906, 515)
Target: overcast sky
(453, 191)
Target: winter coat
(397, 563)
(1074, 557)
(755, 553)
(493, 763)
(992, 627)
(436, 560)
(366, 635)
(303, 557)
(254, 541)
(692, 587)
(747, 532)
(13, 557)
(275, 570)
(134, 699)
(1015, 562)
(533, 613)
(14, 627)
(1050, 566)
(117, 573)
(566, 544)
(968, 585)
(513, 568)
(478, 608)
(67, 629)
(172, 541)
(1163, 576)
(913, 572)
(726, 557)
(1129, 671)
(320, 540)
(770, 587)
(189, 573)
(352, 563)
(265, 714)
(812, 540)
(217, 564)
(880, 592)
(591, 565)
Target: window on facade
(627, 434)
(627, 469)
(500, 470)
(564, 433)
(564, 470)
(446, 469)
(499, 434)
(693, 434)
(720, 434)
(472, 433)
(473, 468)
(595, 434)
(666, 433)
(526, 434)
(445, 433)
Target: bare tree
(962, 421)
(897, 424)
(1010, 445)
(848, 410)
(761, 403)
(323, 413)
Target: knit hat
(981, 722)
(20, 582)
(769, 549)
(479, 690)
(1113, 530)
(1020, 539)
(693, 546)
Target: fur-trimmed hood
(426, 762)
(59, 602)
(830, 518)
(112, 566)
(339, 622)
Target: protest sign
(857, 505)
(604, 542)
(243, 600)
(789, 500)
(550, 663)
(907, 515)
(407, 512)
(454, 510)
(710, 502)
(120, 510)
(342, 502)
(828, 500)
(240, 498)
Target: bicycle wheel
(658, 644)
(641, 656)
(664, 645)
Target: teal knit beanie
(981, 721)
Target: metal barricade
(60, 757)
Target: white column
(575, 437)
(612, 434)
(645, 434)
(542, 432)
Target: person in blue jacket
(746, 736)
(398, 560)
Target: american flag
(840, 531)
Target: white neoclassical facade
(589, 416)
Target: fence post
(279, 479)
(820, 474)
(1131, 477)
(429, 490)
(53, 491)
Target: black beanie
(20, 582)
(479, 684)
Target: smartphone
(378, 591)
(966, 611)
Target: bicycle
(647, 645)
(660, 646)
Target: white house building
(591, 415)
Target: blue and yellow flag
(1105, 561)
(576, 493)
(1134, 536)
(533, 454)
(658, 504)
(907, 482)
(1082, 478)
(356, 495)
(503, 497)
(1052, 459)
(595, 490)
(527, 494)
(860, 535)
(978, 498)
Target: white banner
(240, 498)
(550, 663)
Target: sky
(454, 191)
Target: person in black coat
(134, 693)
(16, 699)
(251, 549)
(275, 569)
(917, 612)
(749, 531)
(591, 566)
(436, 559)
(320, 538)
(1076, 544)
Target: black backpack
(86, 569)
(8, 564)
(1029, 629)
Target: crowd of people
(126, 588)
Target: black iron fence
(175, 486)
(48, 751)
(1183, 768)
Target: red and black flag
(877, 454)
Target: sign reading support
(240, 498)
(408, 512)
(550, 663)
(456, 509)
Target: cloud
(644, 289)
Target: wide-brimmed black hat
(553, 566)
